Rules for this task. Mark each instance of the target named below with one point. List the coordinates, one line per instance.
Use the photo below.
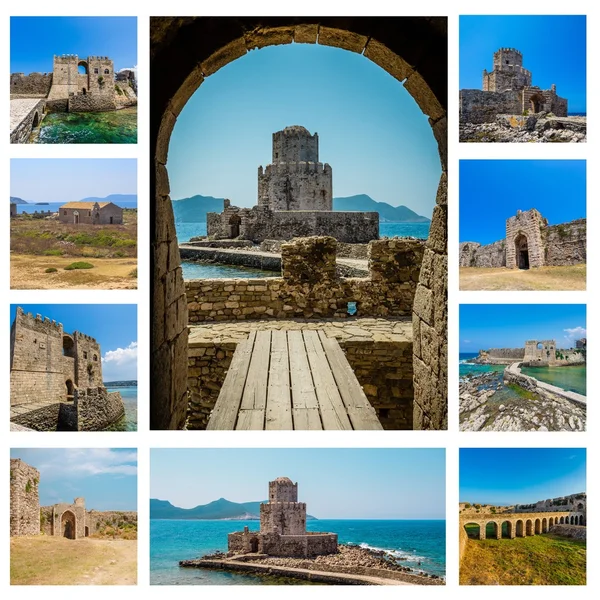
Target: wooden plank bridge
(291, 379)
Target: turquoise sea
(129, 420)
(568, 378)
(417, 544)
(114, 127)
(185, 231)
(465, 368)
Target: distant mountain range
(116, 198)
(194, 209)
(128, 383)
(218, 509)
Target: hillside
(194, 209)
(15, 200)
(218, 509)
(116, 198)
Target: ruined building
(72, 521)
(56, 378)
(91, 213)
(282, 527)
(507, 89)
(295, 199)
(530, 242)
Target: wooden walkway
(291, 379)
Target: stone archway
(522, 251)
(184, 52)
(82, 64)
(536, 102)
(234, 226)
(68, 525)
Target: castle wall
(92, 103)
(565, 244)
(96, 520)
(45, 418)
(478, 106)
(546, 354)
(508, 353)
(88, 361)
(97, 409)
(24, 498)
(34, 84)
(310, 287)
(525, 225)
(65, 77)
(296, 186)
(472, 254)
(36, 359)
(47, 520)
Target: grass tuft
(79, 265)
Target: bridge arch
(520, 527)
(508, 530)
(474, 530)
(544, 525)
(183, 54)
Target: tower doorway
(522, 252)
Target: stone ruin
(282, 528)
(56, 378)
(295, 199)
(507, 89)
(530, 242)
(71, 521)
(536, 353)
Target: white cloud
(120, 364)
(88, 461)
(573, 334)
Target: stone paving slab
(347, 331)
(21, 409)
(19, 109)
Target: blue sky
(484, 326)
(114, 326)
(366, 483)
(491, 191)
(506, 476)
(371, 131)
(71, 179)
(553, 48)
(35, 40)
(105, 477)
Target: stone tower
(24, 498)
(508, 72)
(283, 514)
(295, 180)
(98, 77)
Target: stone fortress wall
(535, 353)
(508, 89)
(295, 199)
(56, 378)
(34, 84)
(530, 242)
(72, 521)
(282, 527)
(24, 498)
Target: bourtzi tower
(282, 527)
(295, 199)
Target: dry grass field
(44, 560)
(542, 278)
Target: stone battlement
(37, 322)
(294, 167)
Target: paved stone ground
(19, 109)
(346, 330)
(21, 409)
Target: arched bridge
(520, 524)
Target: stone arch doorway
(234, 226)
(82, 67)
(254, 545)
(68, 525)
(76, 217)
(522, 251)
(68, 345)
(535, 103)
(87, 531)
(184, 52)
(83, 91)
(70, 389)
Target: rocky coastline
(486, 405)
(540, 127)
(349, 560)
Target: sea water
(186, 231)
(418, 544)
(54, 206)
(129, 420)
(111, 127)
(571, 378)
(466, 368)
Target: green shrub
(133, 273)
(50, 270)
(52, 252)
(118, 90)
(79, 265)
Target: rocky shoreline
(541, 128)
(481, 410)
(350, 560)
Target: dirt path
(542, 278)
(45, 560)
(27, 272)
